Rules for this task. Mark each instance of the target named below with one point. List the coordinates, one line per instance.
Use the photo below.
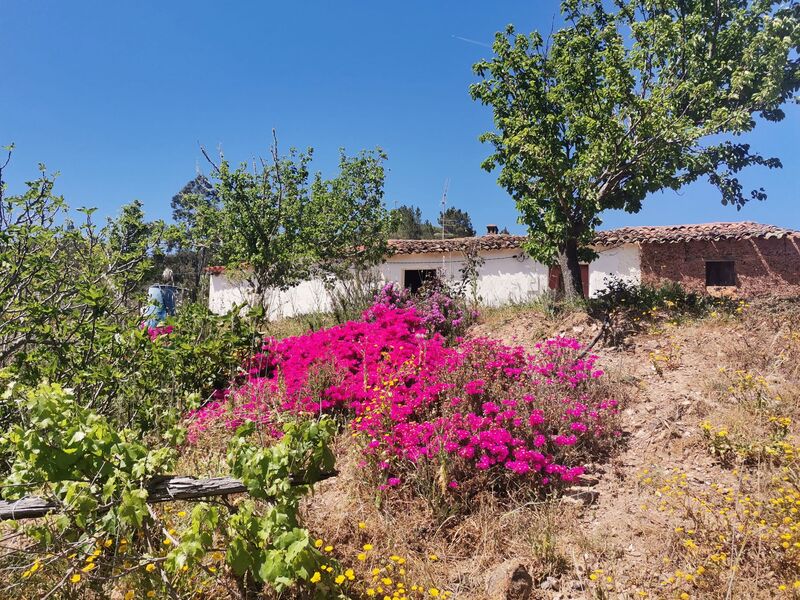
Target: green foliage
(192, 242)
(456, 223)
(629, 98)
(407, 224)
(265, 545)
(69, 313)
(150, 383)
(347, 220)
(622, 295)
(105, 532)
(92, 469)
(277, 226)
(64, 286)
(629, 307)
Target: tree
(349, 218)
(131, 240)
(629, 100)
(456, 223)
(284, 227)
(349, 227)
(188, 204)
(192, 241)
(407, 224)
(261, 222)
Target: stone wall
(763, 266)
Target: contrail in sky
(469, 41)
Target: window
(720, 273)
(556, 281)
(413, 279)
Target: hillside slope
(692, 504)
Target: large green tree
(456, 223)
(628, 98)
(407, 224)
(283, 225)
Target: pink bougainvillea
(478, 406)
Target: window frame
(431, 274)
(717, 272)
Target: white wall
(623, 262)
(502, 278)
(505, 276)
(306, 297)
(224, 293)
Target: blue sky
(116, 96)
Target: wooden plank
(159, 489)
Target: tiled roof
(484, 242)
(672, 234)
(661, 234)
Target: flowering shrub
(374, 575)
(156, 332)
(419, 405)
(732, 532)
(438, 307)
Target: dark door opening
(720, 273)
(413, 279)
(555, 281)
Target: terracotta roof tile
(484, 242)
(661, 234)
(672, 234)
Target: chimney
(491, 230)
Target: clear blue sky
(117, 95)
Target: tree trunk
(571, 270)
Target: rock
(551, 583)
(578, 585)
(509, 581)
(580, 495)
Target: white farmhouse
(505, 273)
(742, 258)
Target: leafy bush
(628, 306)
(623, 295)
(105, 531)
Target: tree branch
(159, 489)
